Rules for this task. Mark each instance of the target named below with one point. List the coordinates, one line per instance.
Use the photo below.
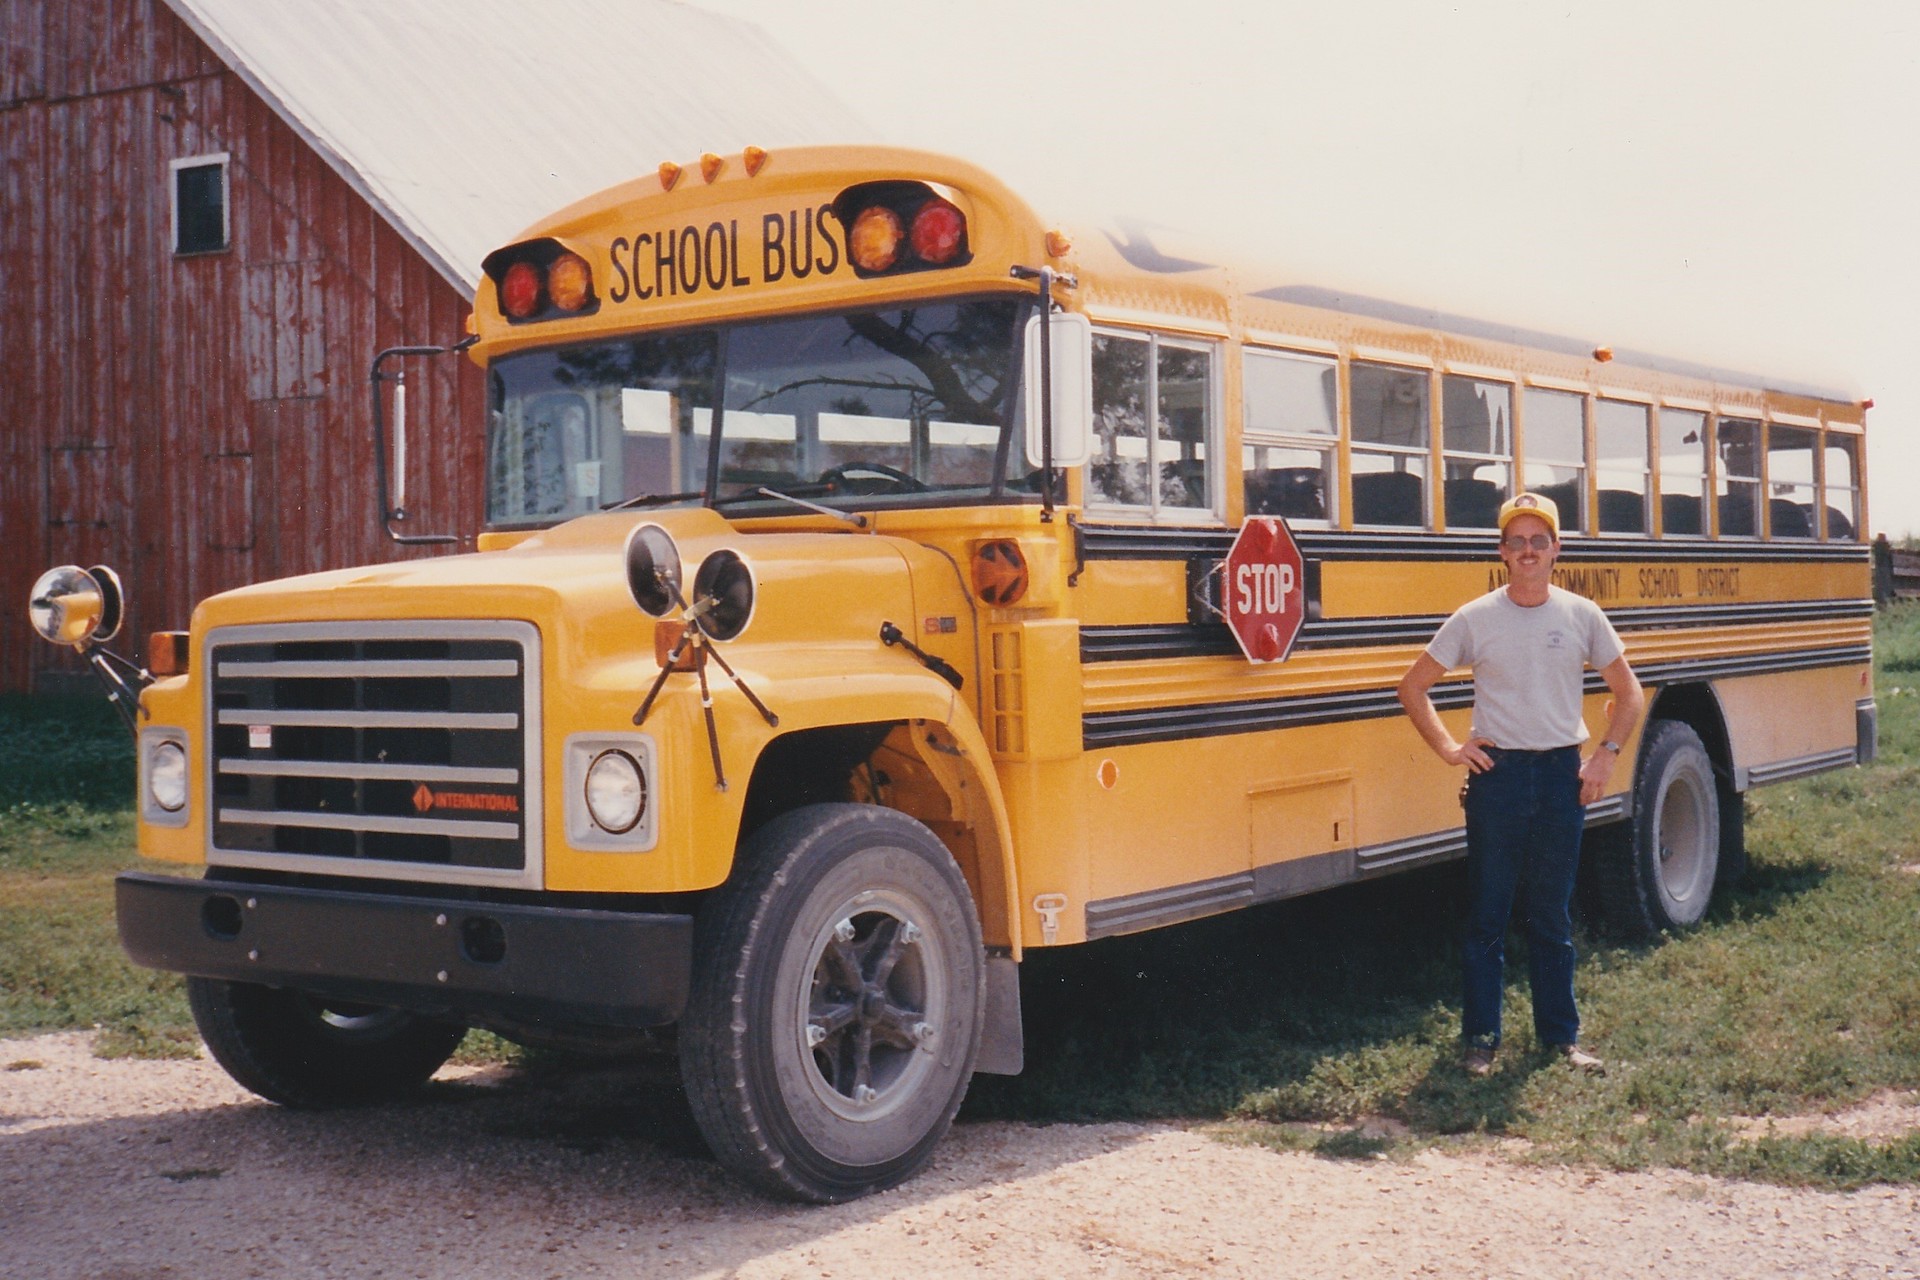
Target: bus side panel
(1778, 721)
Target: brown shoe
(1580, 1060)
(1478, 1060)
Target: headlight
(167, 776)
(616, 792)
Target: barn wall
(197, 423)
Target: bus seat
(1622, 511)
(1839, 526)
(1294, 492)
(1789, 519)
(1736, 515)
(1680, 513)
(1473, 504)
(1390, 497)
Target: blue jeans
(1524, 818)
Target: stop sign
(1265, 596)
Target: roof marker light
(754, 158)
(1603, 354)
(669, 174)
(710, 166)
(1058, 246)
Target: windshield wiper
(853, 518)
(651, 500)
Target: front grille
(400, 750)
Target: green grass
(1289, 1025)
(66, 828)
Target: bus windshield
(879, 406)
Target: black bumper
(438, 956)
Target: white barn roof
(463, 121)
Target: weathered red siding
(197, 423)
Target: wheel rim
(1681, 831)
(867, 1022)
(350, 1019)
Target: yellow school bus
(849, 619)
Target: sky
(1736, 183)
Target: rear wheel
(310, 1052)
(836, 1006)
(1658, 873)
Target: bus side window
(1476, 429)
(1390, 437)
(1555, 444)
(1683, 472)
(1620, 443)
(1159, 459)
(1842, 487)
(1738, 481)
(1290, 424)
(1790, 486)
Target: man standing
(1528, 644)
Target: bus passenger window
(1683, 472)
(1157, 460)
(1737, 484)
(1620, 468)
(1842, 487)
(1390, 436)
(1290, 423)
(1790, 482)
(1554, 441)
(1476, 432)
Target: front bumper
(434, 956)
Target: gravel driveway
(143, 1170)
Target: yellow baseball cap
(1531, 504)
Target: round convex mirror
(653, 570)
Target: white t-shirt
(1529, 664)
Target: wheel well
(879, 763)
(1696, 706)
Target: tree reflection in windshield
(900, 401)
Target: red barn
(215, 212)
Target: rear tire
(1657, 874)
(312, 1053)
(837, 1002)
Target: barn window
(200, 223)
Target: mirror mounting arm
(123, 680)
(1047, 278)
(392, 508)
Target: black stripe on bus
(1260, 715)
(1147, 542)
(1212, 640)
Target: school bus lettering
(1717, 583)
(793, 695)
(787, 244)
(1659, 584)
(691, 259)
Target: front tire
(312, 1053)
(1658, 875)
(837, 1002)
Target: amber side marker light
(167, 653)
(669, 174)
(754, 158)
(999, 572)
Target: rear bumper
(436, 956)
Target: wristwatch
(1611, 746)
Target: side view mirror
(75, 606)
(390, 471)
(1067, 339)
